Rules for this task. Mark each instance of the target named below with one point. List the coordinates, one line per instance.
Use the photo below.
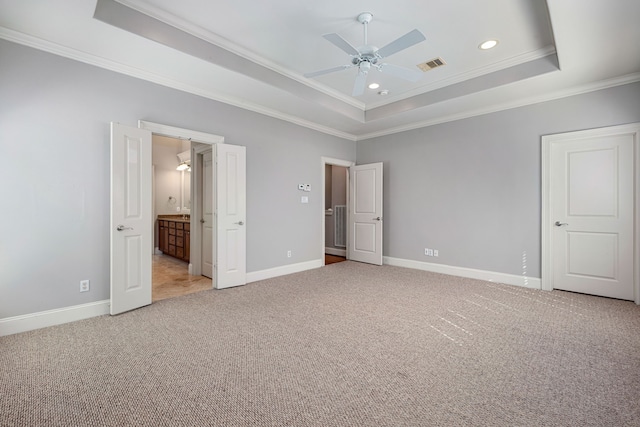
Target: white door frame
(547, 197)
(194, 136)
(324, 161)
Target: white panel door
(231, 214)
(206, 217)
(365, 213)
(592, 214)
(131, 220)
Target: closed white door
(365, 213)
(131, 220)
(206, 216)
(592, 206)
(231, 216)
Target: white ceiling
(253, 53)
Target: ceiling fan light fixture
(374, 86)
(489, 44)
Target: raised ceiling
(253, 54)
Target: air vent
(430, 65)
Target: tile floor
(171, 278)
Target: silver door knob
(239, 223)
(560, 224)
(122, 227)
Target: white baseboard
(490, 276)
(43, 319)
(269, 273)
(335, 251)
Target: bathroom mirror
(185, 190)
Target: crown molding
(66, 52)
(54, 48)
(576, 90)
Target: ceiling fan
(365, 57)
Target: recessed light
(374, 86)
(383, 92)
(488, 44)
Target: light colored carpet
(345, 345)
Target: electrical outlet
(288, 254)
(428, 252)
(84, 286)
(435, 252)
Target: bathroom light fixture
(374, 86)
(184, 160)
(488, 44)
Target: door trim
(547, 197)
(333, 162)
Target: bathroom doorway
(172, 197)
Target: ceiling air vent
(430, 65)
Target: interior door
(231, 209)
(592, 214)
(206, 217)
(131, 218)
(365, 213)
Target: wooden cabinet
(174, 238)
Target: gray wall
(54, 191)
(472, 188)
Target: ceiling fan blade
(342, 44)
(408, 40)
(327, 71)
(403, 73)
(361, 81)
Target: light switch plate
(301, 187)
(304, 199)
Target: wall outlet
(288, 254)
(428, 252)
(84, 286)
(435, 252)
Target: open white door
(365, 213)
(231, 209)
(131, 218)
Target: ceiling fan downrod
(364, 18)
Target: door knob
(560, 224)
(239, 223)
(122, 227)
(379, 218)
(201, 220)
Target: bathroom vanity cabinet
(174, 237)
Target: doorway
(172, 198)
(335, 208)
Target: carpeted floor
(344, 345)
